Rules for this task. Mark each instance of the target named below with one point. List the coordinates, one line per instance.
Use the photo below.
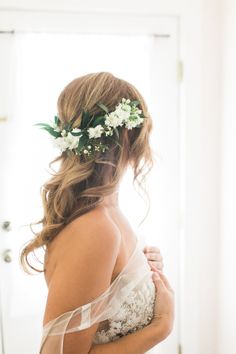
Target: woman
(104, 294)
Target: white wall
(201, 36)
(227, 342)
(135, 6)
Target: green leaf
(56, 120)
(103, 107)
(43, 124)
(48, 128)
(135, 103)
(98, 120)
(84, 119)
(52, 131)
(83, 141)
(89, 122)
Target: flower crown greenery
(85, 140)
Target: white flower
(125, 106)
(63, 133)
(113, 120)
(67, 142)
(123, 114)
(109, 131)
(130, 124)
(61, 143)
(95, 132)
(124, 100)
(72, 141)
(76, 130)
(139, 120)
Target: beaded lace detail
(135, 313)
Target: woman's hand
(164, 303)
(154, 257)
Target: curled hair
(79, 185)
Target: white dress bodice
(126, 306)
(135, 312)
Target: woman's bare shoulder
(96, 223)
(97, 218)
(91, 231)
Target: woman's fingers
(158, 265)
(159, 275)
(154, 256)
(152, 251)
(153, 267)
(158, 281)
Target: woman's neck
(111, 200)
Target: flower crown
(85, 140)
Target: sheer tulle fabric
(134, 275)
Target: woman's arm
(154, 257)
(135, 343)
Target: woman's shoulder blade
(89, 236)
(96, 224)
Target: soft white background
(208, 50)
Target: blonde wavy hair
(79, 185)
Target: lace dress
(126, 306)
